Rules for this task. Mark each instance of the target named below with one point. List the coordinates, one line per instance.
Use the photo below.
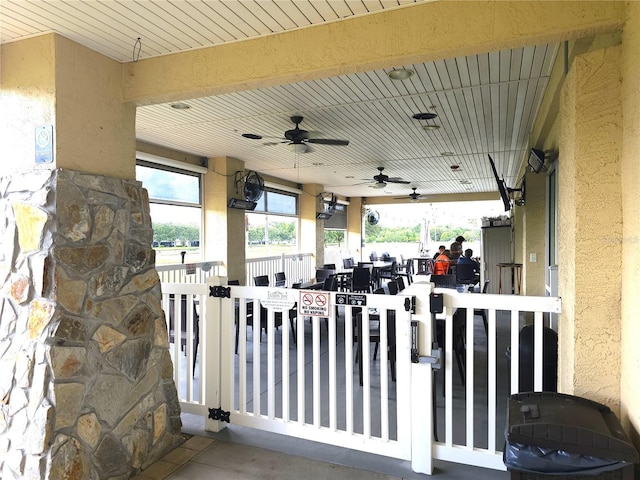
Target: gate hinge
(219, 414)
(220, 291)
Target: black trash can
(525, 362)
(552, 435)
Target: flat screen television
(536, 160)
(501, 187)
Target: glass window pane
(281, 203)
(176, 229)
(169, 186)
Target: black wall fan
(253, 187)
(298, 136)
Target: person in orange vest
(441, 265)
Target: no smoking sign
(314, 304)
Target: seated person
(441, 264)
(467, 260)
(440, 251)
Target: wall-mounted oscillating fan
(253, 187)
(373, 217)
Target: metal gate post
(212, 358)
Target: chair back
(347, 263)
(393, 287)
(330, 284)
(233, 282)
(361, 280)
(281, 279)
(322, 274)
(465, 273)
(329, 266)
(400, 283)
(444, 281)
(261, 280)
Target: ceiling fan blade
(397, 180)
(328, 141)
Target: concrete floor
(240, 453)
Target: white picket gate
(307, 384)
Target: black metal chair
(466, 273)
(322, 274)
(482, 312)
(183, 326)
(261, 280)
(400, 283)
(329, 266)
(361, 280)
(406, 270)
(281, 279)
(393, 288)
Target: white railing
(300, 267)
(307, 383)
(470, 423)
(189, 272)
(469, 416)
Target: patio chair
(374, 337)
(361, 280)
(405, 270)
(261, 280)
(281, 279)
(183, 326)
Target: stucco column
(219, 186)
(311, 229)
(590, 228)
(354, 227)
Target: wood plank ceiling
(485, 103)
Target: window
(176, 211)
(272, 228)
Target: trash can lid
(564, 422)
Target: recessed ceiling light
(465, 182)
(317, 164)
(400, 74)
(447, 154)
(430, 127)
(180, 106)
(349, 176)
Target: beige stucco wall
(49, 80)
(27, 98)
(630, 328)
(223, 227)
(354, 228)
(311, 229)
(590, 227)
(388, 38)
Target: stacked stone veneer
(86, 388)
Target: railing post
(212, 354)
(421, 402)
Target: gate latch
(219, 414)
(434, 359)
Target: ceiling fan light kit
(298, 148)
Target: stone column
(87, 382)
